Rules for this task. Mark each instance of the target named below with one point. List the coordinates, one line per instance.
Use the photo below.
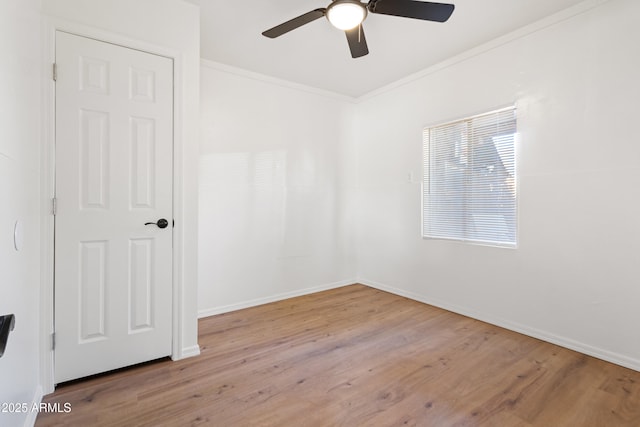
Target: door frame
(52, 25)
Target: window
(469, 189)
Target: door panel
(114, 173)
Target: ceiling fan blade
(357, 42)
(294, 23)
(427, 11)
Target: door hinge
(55, 72)
(54, 206)
(53, 341)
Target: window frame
(427, 179)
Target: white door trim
(179, 350)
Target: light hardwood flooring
(357, 356)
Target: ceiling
(317, 54)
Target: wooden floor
(356, 356)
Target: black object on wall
(7, 323)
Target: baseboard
(273, 298)
(187, 352)
(30, 421)
(599, 353)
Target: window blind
(470, 191)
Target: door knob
(162, 223)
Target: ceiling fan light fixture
(346, 14)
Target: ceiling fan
(347, 15)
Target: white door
(114, 173)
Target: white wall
(20, 91)
(574, 279)
(174, 26)
(275, 183)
